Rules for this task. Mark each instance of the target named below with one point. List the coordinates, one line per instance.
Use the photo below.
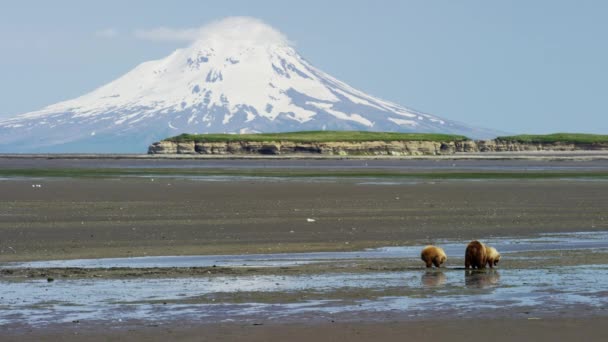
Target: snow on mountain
(241, 75)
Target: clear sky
(517, 66)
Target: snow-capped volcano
(241, 75)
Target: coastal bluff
(363, 148)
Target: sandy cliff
(395, 148)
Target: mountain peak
(241, 75)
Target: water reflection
(433, 278)
(481, 278)
(569, 289)
(558, 241)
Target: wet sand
(74, 218)
(557, 162)
(524, 329)
(124, 217)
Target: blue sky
(516, 66)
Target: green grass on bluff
(571, 138)
(318, 136)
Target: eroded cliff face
(330, 148)
(514, 146)
(394, 148)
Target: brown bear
(433, 255)
(492, 256)
(475, 255)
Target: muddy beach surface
(570, 329)
(157, 257)
(122, 217)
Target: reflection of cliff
(378, 148)
(481, 278)
(433, 278)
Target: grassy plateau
(570, 138)
(318, 136)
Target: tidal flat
(149, 256)
(72, 218)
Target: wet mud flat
(590, 160)
(148, 257)
(71, 218)
(377, 285)
(557, 329)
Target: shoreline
(531, 155)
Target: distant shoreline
(356, 143)
(528, 155)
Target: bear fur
(492, 256)
(475, 255)
(433, 255)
